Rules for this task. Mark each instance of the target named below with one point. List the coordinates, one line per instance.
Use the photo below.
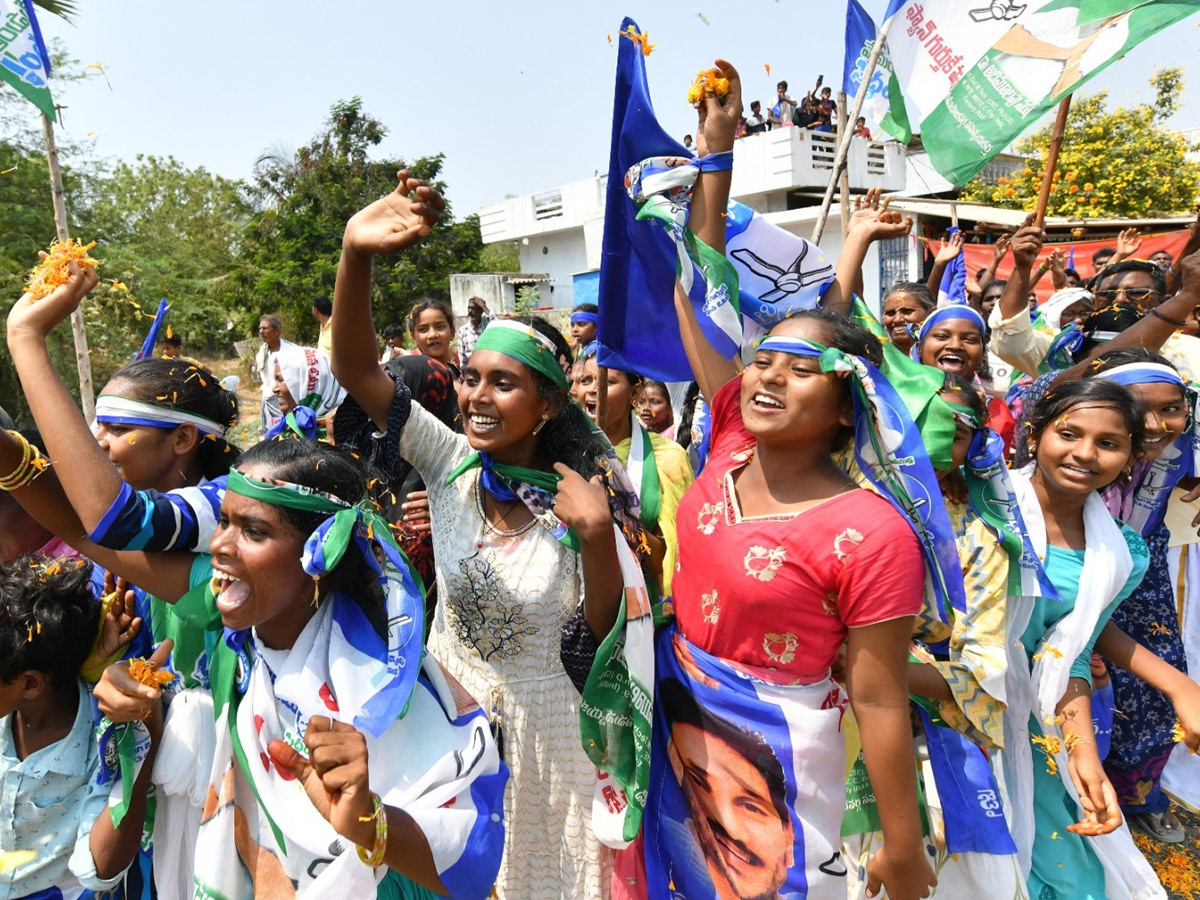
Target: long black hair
(335, 471)
(175, 384)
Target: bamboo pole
(844, 139)
(602, 397)
(1056, 139)
(844, 172)
(87, 397)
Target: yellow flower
(1001, 180)
(1074, 189)
(1027, 171)
(1088, 186)
(53, 271)
(1008, 192)
(1070, 176)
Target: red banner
(979, 256)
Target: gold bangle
(374, 858)
(32, 465)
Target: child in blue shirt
(50, 801)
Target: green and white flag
(971, 75)
(24, 62)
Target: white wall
(560, 255)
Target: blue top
(1063, 568)
(184, 519)
(48, 803)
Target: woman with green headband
(522, 528)
(309, 626)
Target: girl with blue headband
(585, 318)
(522, 508)
(310, 627)
(781, 559)
(1143, 639)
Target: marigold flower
(1088, 186)
(141, 671)
(707, 80)
(53, 271)
(1074, 189)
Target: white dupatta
(1106, 568)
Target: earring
(316, 600)
(542, 424)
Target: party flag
(953, 288)
(24, 62)
(860, 41)
(971, 77)
(152, 335)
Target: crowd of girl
(832, 622)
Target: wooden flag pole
(843, 147)
(1056, 139)
(602, 396)
(83, 362)
(844, 173)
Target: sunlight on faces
(286, 401)
(583, 333)
(788, 399)
(750, 848)
(654, 408)
(433, 332)
(1139, 285)
(1166, 415)
(1083, 450)
(500, 405)
(262, 583)
(621, 395)
(899, 311)
(954, 345)
(148, 458)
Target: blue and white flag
(160, 316)
(647, 245)
(953, 288)
(860, 41)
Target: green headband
(284, 493)
(524, 344)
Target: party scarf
(1181, 459)
(527, 345)
(1061, 354)
(891, 454)
(994, 500)
(117, 410)
(1035, 690)
(301, 422)
(309, 378)
(533, 487)
(643, 472)
(661, 188)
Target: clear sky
(518, 96)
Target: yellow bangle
(374, 857)
(32, 465)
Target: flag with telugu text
(860, 40)
(971, 75)
(24, 62)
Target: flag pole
(83, 362)
(602, 396)
(1056, 139)
(844, 173)
(844, 139)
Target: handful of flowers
(52, 272)
(707, 80)
(141, 671)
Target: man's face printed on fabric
(746, 846)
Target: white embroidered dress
(503, 598)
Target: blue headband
(941, 314)
(582, 317)
(1142, 373)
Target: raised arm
(710, 199)
(1026, 245)
(389, 225)
(999, 249)
(950, 249)
(871, 221)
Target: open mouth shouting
(229, 591)
(952, 361)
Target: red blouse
(779, 592)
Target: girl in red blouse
(782, 558)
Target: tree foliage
(290, 250)
(1113, 162)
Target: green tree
(290, 250)
(1113, 162)
(163, 230)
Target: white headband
(124, 411)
